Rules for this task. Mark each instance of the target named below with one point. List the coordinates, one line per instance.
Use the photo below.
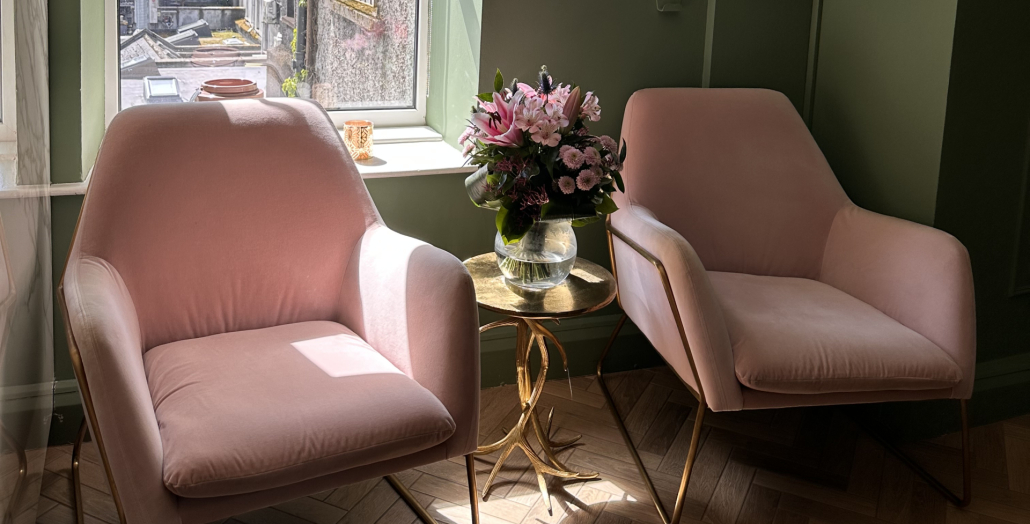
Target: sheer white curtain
(26, 316)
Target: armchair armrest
(416, 305)
(917, 275)
(106, 348)
(643, 297)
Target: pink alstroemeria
(527, 116)
(560, 94)
(546, 133)
(591, 107)
(554, 114)
(498, 128)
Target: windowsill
(397, 152)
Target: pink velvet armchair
(741, 259)
(245, 329)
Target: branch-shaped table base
(532, 334)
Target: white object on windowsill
(396, 152)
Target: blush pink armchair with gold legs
(245, 330)
(741, 259)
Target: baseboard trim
(65, 392)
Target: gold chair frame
(699, 394)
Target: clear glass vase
(540, 260)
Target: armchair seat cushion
(253, 410)
(800, 336)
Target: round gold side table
(589, 287)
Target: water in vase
(540, 260)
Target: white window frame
(8, 79)
(380, 117)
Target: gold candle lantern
(357, 134)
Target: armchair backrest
(736, 172)
(223, 217)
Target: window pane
(345, 54)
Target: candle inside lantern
(357, 135)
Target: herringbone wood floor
(772, 467)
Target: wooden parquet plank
(816, 493)
(666, 427)
(759, 506)
(1017, 457)
(728, 499)
(646, 410)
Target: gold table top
(589, 287)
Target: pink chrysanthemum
(591, 157)
(609, 143)
(468, 148)
(588, 178)
(572, 157)
(466, 135)
(567, 185)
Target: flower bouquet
(543, 172)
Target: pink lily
(498, 128)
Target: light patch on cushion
(342, 356)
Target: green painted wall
(612, 47)
(758, 43)
(454, 71)
(92, 82)
(880, 99)
(982, 195)
(64, 21)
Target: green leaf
(507, 184)
(622, 154)
(618, 181)
(580, 222)
(498, 82)
(549, 159)
(607, 206)
(502, 217)
(545, 209)
(531, 170)
(486, 97)
(510, 232)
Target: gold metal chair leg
(80, 517)
(967, 463)
(23, 471)
(423, 514)
(409, 499)
(470, 469)
(695, 440)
